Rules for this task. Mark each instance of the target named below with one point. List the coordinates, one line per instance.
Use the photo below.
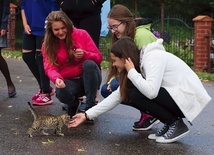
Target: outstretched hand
(129, 64)
(76, 120)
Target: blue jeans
(113, 84)
(86, 85)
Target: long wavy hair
(126, 48)
(122, 14)
(51, 42)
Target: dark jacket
(81, 8)
(4, 13)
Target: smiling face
(59, 29)
(116, 27)
(117, 62)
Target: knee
(88, 64)
(104, 92)
(28, 57)
(114, 84)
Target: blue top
(104, 13)
(36, 12)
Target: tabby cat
(44, 122)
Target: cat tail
(32, 111)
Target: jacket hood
(157, 45)
(147, 26)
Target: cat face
(66, 118)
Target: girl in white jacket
(162, 85)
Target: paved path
(110, 134)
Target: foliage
(12, 54)
(205, 76)
(187, 8)
(104, 46)
(185, 53)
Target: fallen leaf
(48, 142)
(81, 150)
(16, 133)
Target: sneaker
(35, 96)
(159, 133)
(143, 117)
(52, 91)
(176, 131)
(65, 107)
(145, 124)
(43, 99)
(84, 107)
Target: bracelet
(86, 116)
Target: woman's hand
(59, 83)
(78, 53)
(3, 32)
(129, 64)
(27, 29)
(77, 120)
(109, 88)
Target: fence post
(11, 35)
(202, 39)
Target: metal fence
(178, 37)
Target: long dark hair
(126, 48)
(122, 14)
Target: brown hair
(126, 48)
(51, 42)
(122, 14)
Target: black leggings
(162, 107)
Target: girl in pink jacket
(71, 61)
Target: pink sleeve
(50, 70)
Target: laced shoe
(35, 96)
(43, 99)
(176, 131)
(145, 124)
(159, 133)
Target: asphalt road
(110, 134)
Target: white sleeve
(153, 67)
(105, 105)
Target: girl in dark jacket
(85, 15)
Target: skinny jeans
(86, 85)
(163, 107)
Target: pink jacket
(67, 70)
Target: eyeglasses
(114, 27)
